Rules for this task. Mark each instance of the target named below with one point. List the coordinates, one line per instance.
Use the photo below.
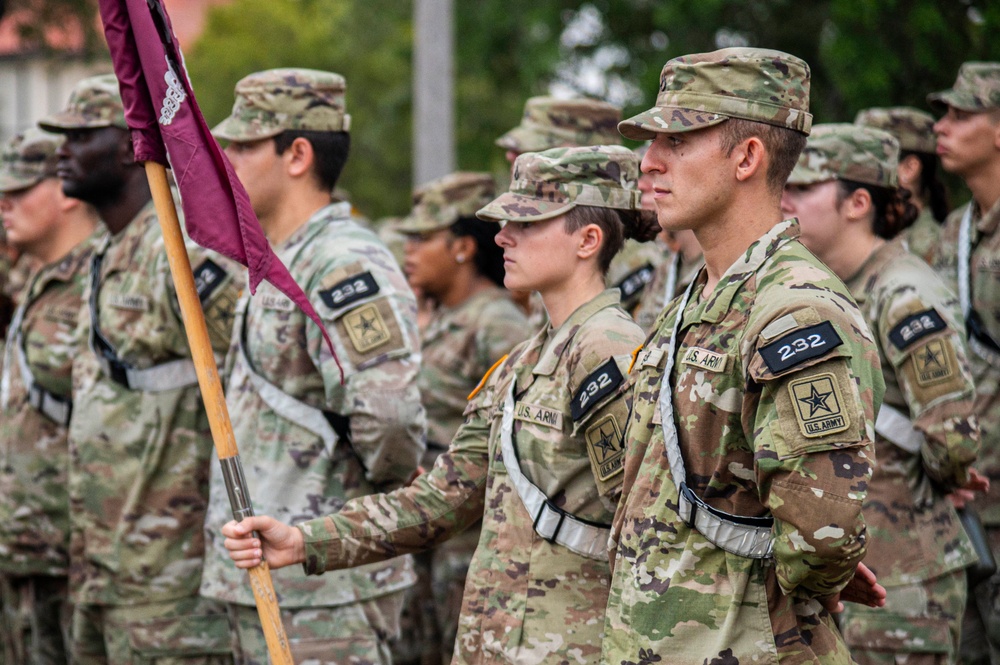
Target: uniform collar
(986, 224)
(560, 338)
(334, 212)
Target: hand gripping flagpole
(215, 403)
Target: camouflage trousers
(187, 631)
(355, 634)
(34, 619)
(981, 624)
(919, 625)
(429, 624)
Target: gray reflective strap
(897, 428)
(171, 375)
(743, 536)
(550, 522)
(8, 352)
(673, 272)
(965, 286)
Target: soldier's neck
(292, 213)
(725, 241)
(119, 211)
(985, 186)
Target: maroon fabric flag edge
(217, 211)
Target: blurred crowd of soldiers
(723, 483)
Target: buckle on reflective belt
(117, 371)
(542, 524)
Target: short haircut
(330, 150)
(783, 145)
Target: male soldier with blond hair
(968, 257)
(315, 431)
(748, 448)
(139, 440)
(35, 399)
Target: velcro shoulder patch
(486, 377)
(350, 290)
(598, 383)
(207, 278)
(799, 346)
(915, 327)
(635, 281)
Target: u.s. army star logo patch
(366, 328)
(604, 444)
(819, 407)
(933, 363)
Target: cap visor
(13, 183)
(960, 100)
(667, 119)
(232, 129)
(522, 140)
(413, 224)
(61, 122)
(520, 208)
(805, 176)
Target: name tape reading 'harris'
(799, 346)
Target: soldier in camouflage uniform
(968, 256)
(843, 192)
(35, 400)
(918, 172)
(453, 259)
(561, 123)
(310, 436)
(139, 440)
(540, 451)
(740, 518)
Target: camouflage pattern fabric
(526, 600)
(35, 616)
(914, 129)
(28, 159)
(275, 100)
(922, 237)
(763, 429)
(982, 613)
(292, 474)
(848, 152)
(704, 89)
(976, 89)
(655, 298)
(185, 631)
(916, 543)
(94, 102)
(632, 269)
(441, 203)
(139, 461)
(559, 123)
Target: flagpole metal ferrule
(236, 487)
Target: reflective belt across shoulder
(170, 375)
(552, 523)
(898, 429)
(744, 536)
(984, 348)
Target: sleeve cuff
(322, 547)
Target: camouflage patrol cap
(561, 123)
(547, 184)
(94, 103)
(914, 129)
(704, 89)
(440, 203)
(842, 151)
(275, 100)
(977, 88)
(28, 159)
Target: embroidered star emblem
(605, 444)
(932, 356)
(816, 401)
(365, 325)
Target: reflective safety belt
(898, 429)
(328, 426)
(586, 538)
(750, 537)
(672, 275)
(159, 378)
(980, 341)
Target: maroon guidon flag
(167, 127)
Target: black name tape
(636, 281)
(916, 326)
(347, 291)
(207, 277)
(598, 383)
(799, 346)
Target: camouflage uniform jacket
(139, 461)
(914, 532)
(985, 292)
(34, 505)
(775, 387)
(921, 237)
(655, 297)
(632, 269)
(458, 345)
(526, 600)
(292, 473)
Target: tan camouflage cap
(842, 151)
(275, 100)
(914, 129)
(561, 123)
(94, 103)
(547, 184)
(704, 89)
(977, 88)
(27, 159)
(440, 203)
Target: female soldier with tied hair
(539, 456)
(843, 190)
